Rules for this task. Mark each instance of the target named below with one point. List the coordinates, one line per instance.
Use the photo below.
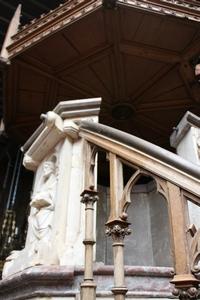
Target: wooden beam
(148, 84)
(83, 60)
(192, 85)
(5, 20)
(113, 36)
(164, 105)
(148, 52)
(67, 84)
(193, 50)
(152, 124)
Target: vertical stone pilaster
(88, 287)
(186, 138)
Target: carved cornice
(71, 11)
(47, 24)
(177, 8)
(188, 120)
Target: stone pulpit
(56, 221)
(140, 185)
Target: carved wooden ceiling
(140, 62)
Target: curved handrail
(158, 160)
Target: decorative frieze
(169, 7)
(71, 11)
(50, 23)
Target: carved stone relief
(39, 239)
(43, 206)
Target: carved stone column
(88, 287)
(118, 230)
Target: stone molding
(189, 120)
(45, 142)
(58, 124)
(63, 281)
(79, 108)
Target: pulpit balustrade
(175, 180)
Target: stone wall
(149, 244)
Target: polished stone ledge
(64, 281)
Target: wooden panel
(138, 71)
(53, 51)
(170, 81)
(88, 33)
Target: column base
(119, 290)
(88, 290)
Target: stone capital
(118, 230)
(89, 197)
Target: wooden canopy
(139, 56)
